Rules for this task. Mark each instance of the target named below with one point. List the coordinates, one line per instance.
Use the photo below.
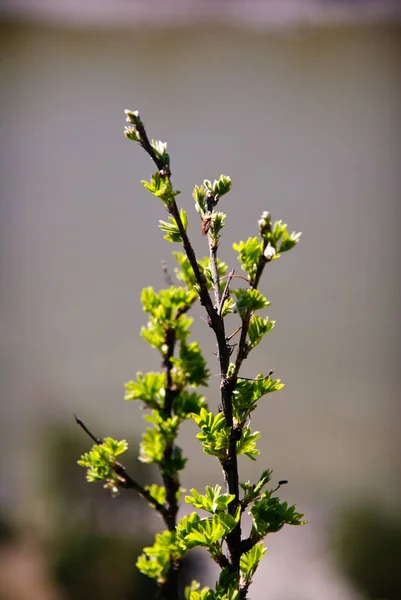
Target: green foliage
(249, 300)
(160, 186)
(219, 187)
(149, 388)
(167, 311)
(155, 560)
(187, 403)
(209, 532)
(247, 393)
(250, 253)
(214, 433)
(190, 368)
(157, 492)
(101, 462)
(257, 330)
(212, 501)
(156, 441)
(207, 195)
(171, 395)
(250, 562)
(247, 443)
(280, 239)
(269, 515)
(185, 272)
(171, 228)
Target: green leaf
(247, 393)
(221, 186)
(269, 515)
(288, 241)
(167, 312)
(190, 367)
(158, 492)
(156, 560)
(150, 388)
(249, 562)
(151, 449)
(160, 150)
(228, 308)
(212, 501)
(100, 463)
(279, 238)
(186, 274)
(160, 186)
(199, 195)
(217, 222)
(187, 403)
(249, 300)
(214, 433)
(193, 531)
(247, 443)
(258, 328)
(252, 491)
(170, 227)
(249, 255)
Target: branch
(242, 351)
(170, 483)
(215, 270)
(125, 480)
(226, 293)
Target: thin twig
(235, 277)
(214, 269)
(256, 378)
(125, 480)
(230, 337)
(84, 427)
(226, 293)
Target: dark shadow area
(367, 544)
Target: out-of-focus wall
(307, 126)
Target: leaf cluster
(101, 462)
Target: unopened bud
(132, 116)
(265, 223)
(269, 252)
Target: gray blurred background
(300, 103)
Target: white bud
(269, 252)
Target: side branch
(125, 480)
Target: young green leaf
(156, 560)
(249, 563)
(214, 433)
(171, 229)
(150, 388)
(249, 300)
(247, 443)
(190, 367)
(212, 501)
(249, 255)
(258, 328)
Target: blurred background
(299, 101)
